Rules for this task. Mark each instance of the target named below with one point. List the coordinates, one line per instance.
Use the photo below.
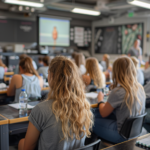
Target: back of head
(46, 60)
(92, 68)
(22, 56)
(40, 59)
(70, 105)
(135, 61)
(124, 74)
(79, 59)
(73, 55)
(2, 64)
(27, 66)
(106, 58)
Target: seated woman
(28, 79)
(140, 75)
(22, 56)
(126, 99)
(44, 70)
(3, 69)
(80, 62)
(105, 63)
(94, 75)
(64, 120)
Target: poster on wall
(117, 39)
(130, 33)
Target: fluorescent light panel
(24, 3)
(139, 3)
(86, 12)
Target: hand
(100, 96)
(147, 65)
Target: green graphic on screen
(54, 32)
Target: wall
(120, 21)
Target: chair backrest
(132, 127)
(92, 146)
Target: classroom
(74, 74)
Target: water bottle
(23, 103)
(106, 90)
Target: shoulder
(118, 92)
(16, 77)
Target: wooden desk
(8, 73)
(94, 105)
(5, 91)
(128, 145)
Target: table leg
(4, 137)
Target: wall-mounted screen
(117, 39)
(54, 32)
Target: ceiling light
(139, 3)
(24, 3)
(86, 12)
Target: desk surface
(5, 91)
(3, 120)
(128, 145)
(12, 114)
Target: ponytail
(27, 66)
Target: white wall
(121, 21)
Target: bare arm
(105, 109)
(31, 139)
(86, 79)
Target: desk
(5, 91)
(128, 145)
(11, 123)
(4, 136)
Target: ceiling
(108, 8)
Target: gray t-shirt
(146, 73)
(147, 90)
(44, 71)
(116, 99)
(51, 134)
(135, 52)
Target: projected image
(54, 32)
(130, 33)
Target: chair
(132, 127)
(92, 146)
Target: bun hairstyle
(106, 58)
(92, 68)
(79, 59)
(124, 74)
(70, 105)
(27, 66)
(46, 60)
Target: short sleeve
(114, 99)
(36, 117)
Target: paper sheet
(16, 106)
(91, 95)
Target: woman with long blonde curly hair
(94, 76)
(64, 120)
(126, 99)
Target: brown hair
(73, 55)
(2, 64)
(79, 59)
(106, 59)
(70, 105)
(22, 56)
(27, 66)
(46, 60)
(124, 73)
(40, 59)
(92, 68)
(135, 61)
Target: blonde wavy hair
(106, 59)
(124, 73)
(95, 73)
(79, 59)
(70, 105)
(135, 61)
